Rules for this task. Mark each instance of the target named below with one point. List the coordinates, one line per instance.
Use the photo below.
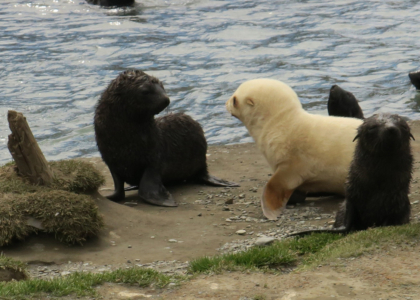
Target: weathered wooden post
(24, 148)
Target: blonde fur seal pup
(307, 152)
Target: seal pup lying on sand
(415, 79)
(342, 103)
(307, 153)
(144, 151)
(379, 177)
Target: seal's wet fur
(379, 177)
(143, 151)
(342, 103)
(118, 3)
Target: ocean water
(57, 56)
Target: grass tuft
(83, 284)
(256, 257)
(309, 251)
(14, 268)
(364, 242)
(313, 243)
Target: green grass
(369, 241)
(278, 254)
(310, 250)
(83, 284)
(313, 243)
(259, 297)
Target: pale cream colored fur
(308, 152)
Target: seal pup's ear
(275, 196)
(250, 101)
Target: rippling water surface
(58, 55)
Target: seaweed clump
(62, 209)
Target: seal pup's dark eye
(234, 101)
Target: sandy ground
(141, 234)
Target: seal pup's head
(260, 99)
(384, 133)
(415, 79)
(135, 93)
(342, 103)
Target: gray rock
(265, 240)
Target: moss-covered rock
(75, 176)
(69, 175)
(60, 208)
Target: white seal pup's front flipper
(277, 192)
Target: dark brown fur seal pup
(415, 79)
(379, 177)
(144, 151)
(111, 2)
(342, 103)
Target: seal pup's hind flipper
(131, 188)
(342, 230)
(119, 193)
(151, 190)
(212, 180)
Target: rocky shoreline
(208, 221)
